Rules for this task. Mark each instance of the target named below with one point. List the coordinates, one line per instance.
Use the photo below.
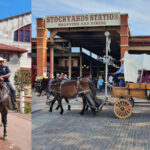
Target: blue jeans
(12, 90)
(100, 88)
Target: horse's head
(41, 85)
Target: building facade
(15, 42)
(83, 31)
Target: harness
(87, 93)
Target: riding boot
(15, 106)
(14, 103)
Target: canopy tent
(134, 63)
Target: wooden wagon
(123, 106)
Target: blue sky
(138, 11)
(10, 8)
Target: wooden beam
(59, 40)
(85, 29)
(59, 47)
(67, 54)
(140, 48)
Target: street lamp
(108, 40)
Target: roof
(8, 48)
(4, 19)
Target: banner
(84, 20)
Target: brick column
(51, 60)
(80, 61)
(124, 34)
(69, 62)
(41, 48)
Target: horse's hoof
(57, 108)
(81, 113)
(5, 138)
(93, 112)
(50, 111)
(69, 108)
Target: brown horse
(73, 88)
(43, 85)
(4, 104)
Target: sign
(84, 20)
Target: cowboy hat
(2, 59)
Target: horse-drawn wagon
(123, 105)
(132, 65)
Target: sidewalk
(19, 132)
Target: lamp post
(108, 40)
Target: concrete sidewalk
(18, 131)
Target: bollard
(22, 101)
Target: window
(5, 56)
(23, 34)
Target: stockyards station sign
(85, 20)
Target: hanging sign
(84, 20)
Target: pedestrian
(4, 76)
(118, 73)
(66, 77)
(61, 76)
(111, 79)
(100, 83)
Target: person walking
(100, 83)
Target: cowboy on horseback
(4, 76)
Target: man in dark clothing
(4, 76)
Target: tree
(22, 79)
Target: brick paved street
(71, 131)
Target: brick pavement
(71, 131)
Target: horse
(5, 98)
(83, 88)
(43, 85)
(74, 88)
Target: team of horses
(68, 89)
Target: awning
(8, 48)
(134, 63)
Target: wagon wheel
(122, 109)
(148, 94)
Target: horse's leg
(67, 101)
(60, 104)
(4, 120)
(57, 107)
(51, 106)
(86, 108)
(84, 105)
